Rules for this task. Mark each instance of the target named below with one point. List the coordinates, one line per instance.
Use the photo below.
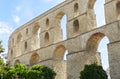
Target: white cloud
(5, 28)
(16, 19)
(15, 14)
(18, 8)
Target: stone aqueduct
(82, 41)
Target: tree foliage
(93, 71)
(1, 47)
(3, 67)
(40, 72)
(21, 72)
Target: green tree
(1, 62)
(1, 47)
(10, 73)
(3, 67)
(40, 72)
(19, 70)
(93, 71)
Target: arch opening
(60, 57)
(118, 10)
(25, 46)
(36, 33)
(75, 26)
(19, 37)
(76, 9)
(59, 52)
(35, 58)
(47, 22)
(97, 47)
(36, 28)
(62, 22)
(17, 62)
(99, 12)
(46, 37)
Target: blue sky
(17, 12)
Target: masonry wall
(40, 40)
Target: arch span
(96, 54)
(61, 20)
(59, 63)
(60, 15)
(59, 52)
(93, 41)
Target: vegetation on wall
(93, 71)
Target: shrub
(93, 71)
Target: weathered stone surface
(40, 40)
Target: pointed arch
(34, 59)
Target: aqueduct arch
(59, 52)
(36, 34)
(59, 17)
(93, 41)
(92, 46)
(82, 40)
(60, 64)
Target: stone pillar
(75, 64)
(114, 59)
(60, 69)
